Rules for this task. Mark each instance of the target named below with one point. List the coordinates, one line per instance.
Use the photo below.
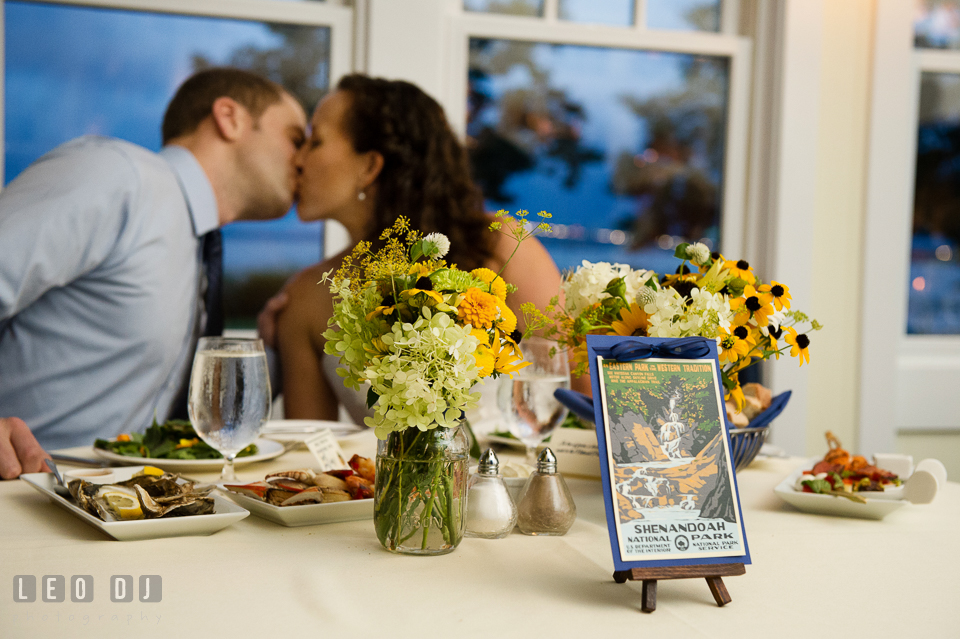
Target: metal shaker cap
(547, 462)
(489, 463)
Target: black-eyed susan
(423, 287)
(799, 345)
(741, 269)
(780, 294)
(477, 308)
(752, 305)
(633, 322)
(496, 284)
(735, 395)
(735, 343)
(507, 355)
(388, 306)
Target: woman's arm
(306, 393)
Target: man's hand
(20, 452)
(267, 319)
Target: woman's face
(332, 173)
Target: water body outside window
(73, 71)
(624, 147)
(934, 298)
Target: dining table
(811, 575)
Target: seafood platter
(304, 497)
(140, 502)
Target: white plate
(225, 513)
(266, 449)
(300, 429)
(875, 508)
(506, 441)
(306, 515)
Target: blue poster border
(608, 347)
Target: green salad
(173, 439)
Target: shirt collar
(196, 188)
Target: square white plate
(875, 508)
(224, 513)
(308, 514)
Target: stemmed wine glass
(229, 395)
(527, 402)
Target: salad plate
(877, 505)
(302, 429)
(266, 449)
(307, 514)
(224, 514)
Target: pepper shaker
(546, 505)
(491, 513)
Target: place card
(576, 451)
(326, 450)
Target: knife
(82, 461)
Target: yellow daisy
(735, 344)
(780, 294)
(752, 304)
(497, 286)
(741, 269)
(633, 322)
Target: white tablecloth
(812, 576)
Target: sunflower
(780, 294)
(633, 322)
(741, 269)
(752, 305)
(477, 308)
(798, 344)
(497, 286)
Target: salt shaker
(491, 513)
(546, 505)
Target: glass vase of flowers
(422, 333)
(708, 296)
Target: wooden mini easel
(713, 573)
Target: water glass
(229, 399)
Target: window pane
(684, 15)
(937, 24)
(934, 302)
(511, 7)
(623, 147)
(617, 12)
(73, 71)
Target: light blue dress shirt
(99, 273)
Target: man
(101, 250)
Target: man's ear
(228, 117)
(371, 167)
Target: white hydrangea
(585, 286)
(436, 245)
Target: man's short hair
(194, 99)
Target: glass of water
(526, 400)
(229, 395)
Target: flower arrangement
(420, 331)
(719, 298)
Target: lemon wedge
(122, 503)
(151, 470)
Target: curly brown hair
(426, 174)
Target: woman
(379, 149)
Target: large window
(79, 70)
(620, 128)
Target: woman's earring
(361, 196)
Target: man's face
(266, 160)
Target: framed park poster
(668, 481)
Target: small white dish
(902, 465)
(876, 507)
(224, 514)
(306, 515)
(266, 449)
(92, 475)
